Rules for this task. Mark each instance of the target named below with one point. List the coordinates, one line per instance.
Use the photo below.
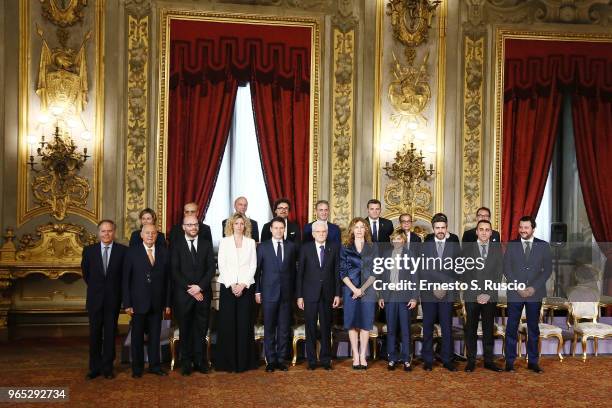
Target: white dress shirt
(195, 242)
(237, 265)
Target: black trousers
(102, 332)
(193, 326)
(152, 319)
(475, 312)
(320, 311)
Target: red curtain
(208, 61)
(536, 75)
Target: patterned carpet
(63, 363)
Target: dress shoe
(327, 366)
(535, 368)
(407, 367)
(363, 367)
(510, 368)
(136, 375)
(269, 368)
(391, 365)
(202, 369)
(356, 367)
(450, 366)
(493, 367)
(282, 366)
(312, 366)
(427, 367)
(91, 375)
(159, 372)
(185, 371)
(109, 376)
(470, 367)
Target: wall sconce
(57, 183)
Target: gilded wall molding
(473, 124)
(341, 199)
(596, 12)
(135, 183)
(29, 203)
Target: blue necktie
(322, 255)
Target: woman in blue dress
(356, 261)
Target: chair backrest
(584, 302)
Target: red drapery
(536, 72)
(207, 62)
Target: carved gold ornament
(54, 243)
(407, 192)
(411, 20)
(62, 76)
(409, 92)
(63, 13)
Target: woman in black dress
(237, 259)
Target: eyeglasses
(282, 208)
(190, 225)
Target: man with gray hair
(318, 291)
(240, 206)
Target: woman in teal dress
(356, 261)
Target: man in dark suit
(102, 265)
(333, 231)
(440, 254)
(282, 206)
(528, 261)
(145, 296)
(193, 267)
(240, 206)
(405, 221)
(483, 213)
(177, 233)
(274, 283)
(480, 301)
(380, 228)
(318, 291)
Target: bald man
(177, 234)
(240, 206)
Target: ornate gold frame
(23, 179)
(501, 34)
(168, 14)
(440, 104)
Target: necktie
(279, 251)
(192, 250)
(105, 259)
(527, 249)
(484, 251)
(375, 232)
(440, 249)
(321, 255)
(150, 255)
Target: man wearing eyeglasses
(192, 267)
(282, 206)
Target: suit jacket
(533, 272)
(293, 232)
(470, 236)
(138, 292)
(333, 233)
(432, 272)
(185, 271)
(254, 229)
(313, 282)
(103, 290)
(275, 280)
(415, 243)
(451, 237)
(177, 233)
(492, 271)
(385, 229)
(404, 274)
(136, 240)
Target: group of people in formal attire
(308, 268)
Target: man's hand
(336, 303)
(168, 313)
(523, 293)
(300, 303)
(439, 293)
(357, 293)
(381, 303)
(411, 304)
(199, 297)
(483, 298)
(258, 298)
(530, 291)
(193, 289)
(129, 311)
